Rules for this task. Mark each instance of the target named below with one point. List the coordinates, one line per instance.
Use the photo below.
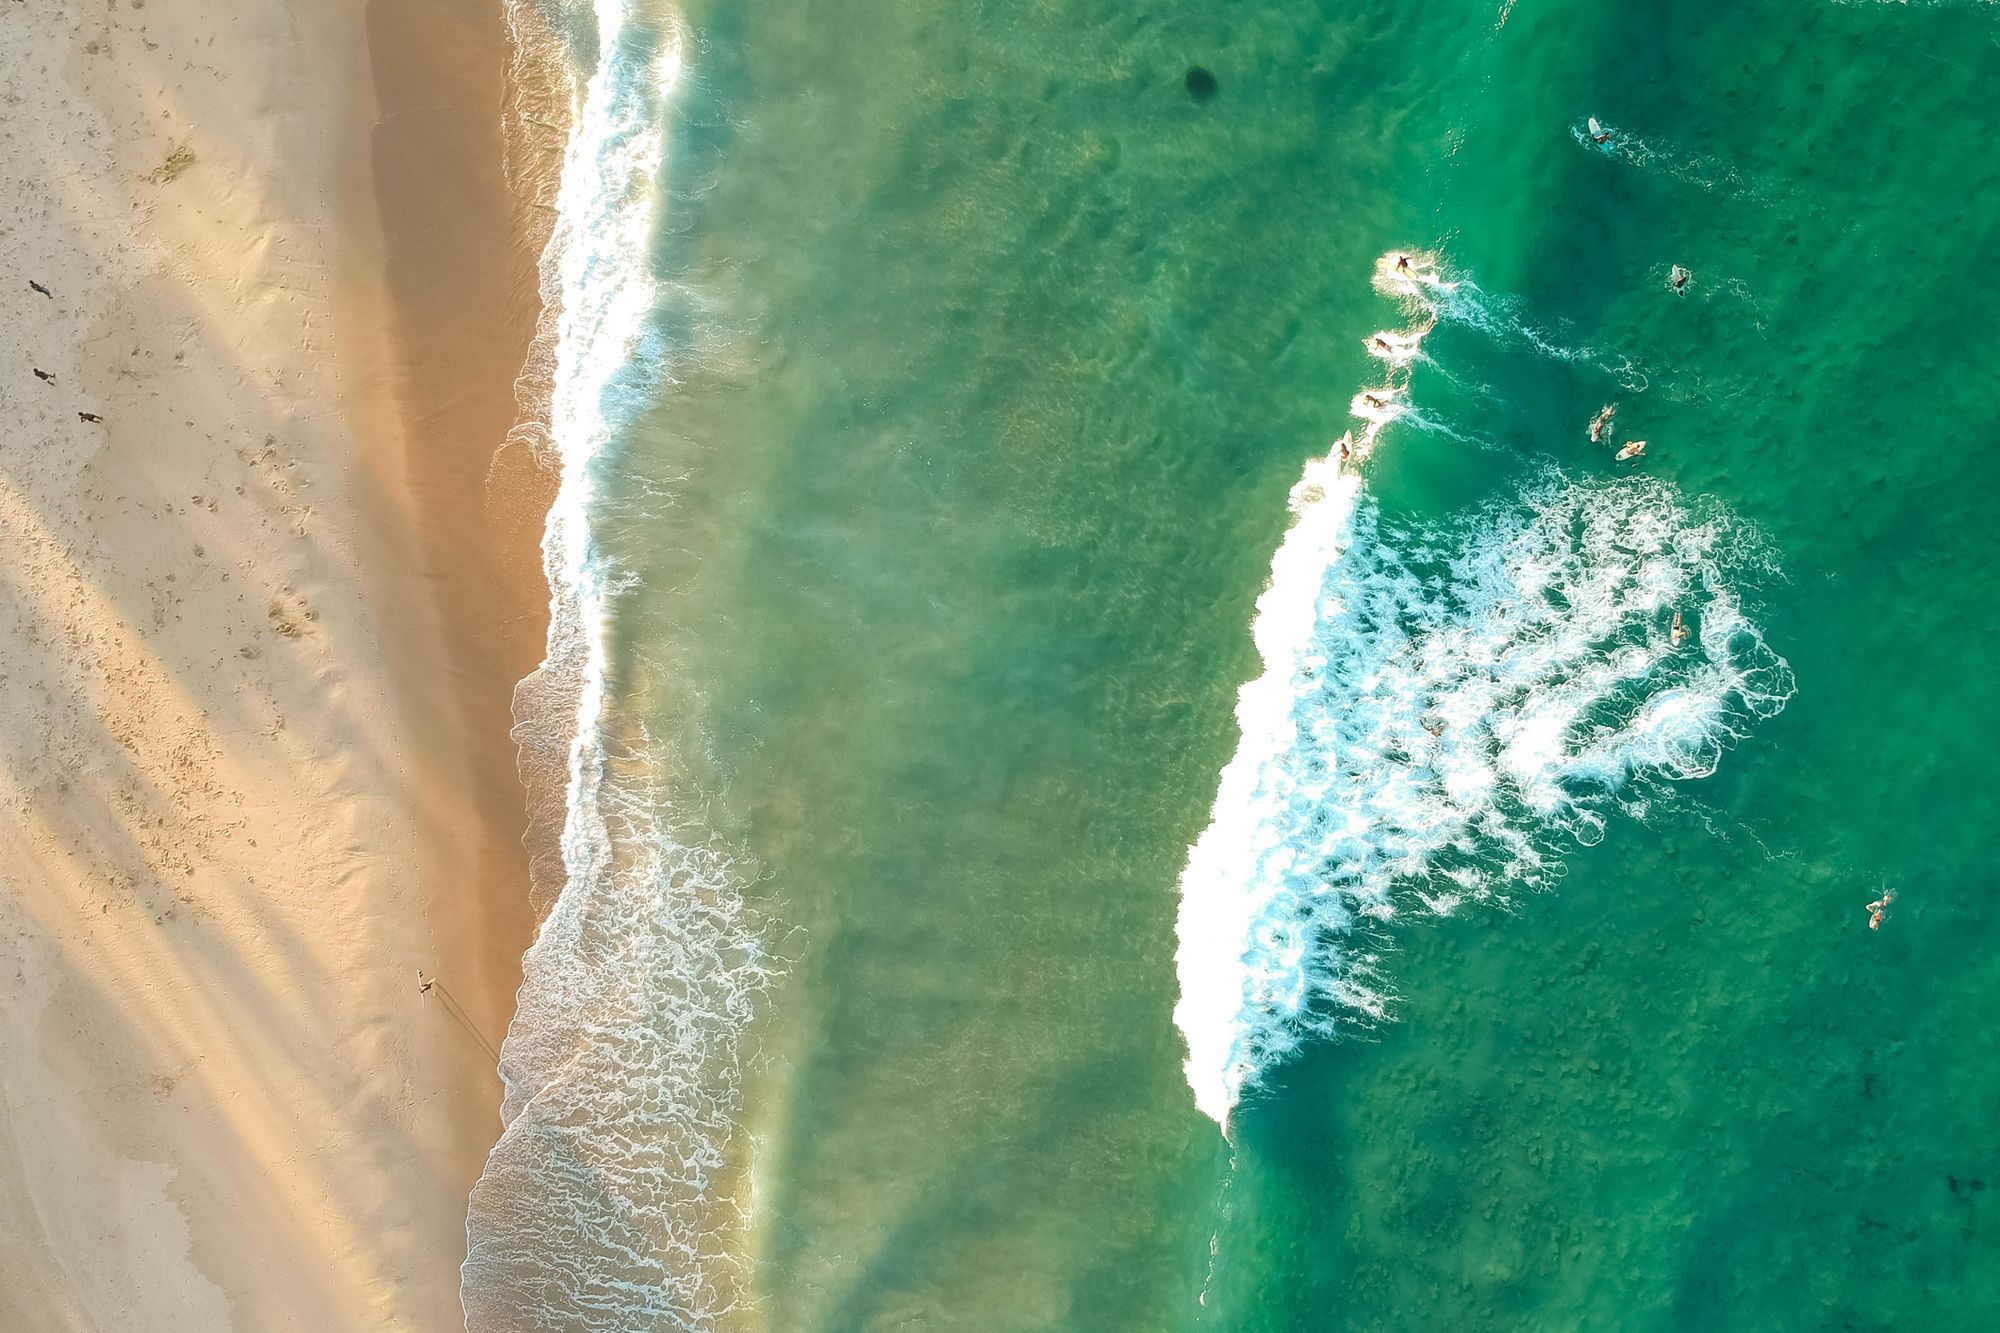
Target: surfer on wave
(1600, 424)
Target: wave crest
(1444, 705)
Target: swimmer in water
(1632, 450)
(1679, 630)
(1880, 908)
(1678, 279)
(1601, 423)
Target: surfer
(1880, 908)
(1632, 450)
(1345, 452)
(1598, 134)
(1677, 280)
(1382, 344)
(1402, 263)
(1601, 423)
(1679, 630)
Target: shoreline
(269, 600)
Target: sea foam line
(1214, 920)
(603, 1205)
(1441, 707)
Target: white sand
(232, 827)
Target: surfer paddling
(1677, 279)
(1879, 909)
(1632, 450)
(1598, 134)
(1679, 631)
(1600, 425)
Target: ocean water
(1046, 842)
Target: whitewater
(1443, 706)
(606, 1203)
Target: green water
(1005, 354)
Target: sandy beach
(267, 594)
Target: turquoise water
(980, 359)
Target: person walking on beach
(43, 290)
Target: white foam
(1397, 347)
(602, 1206)
(1534, 639)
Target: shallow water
(989, 358)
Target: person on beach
(424, 985)
(1880, 908)
(43, 375)
(91, 417)
(43, 290)
(1632, 450)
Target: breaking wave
(607, 1205)
(1443, 707)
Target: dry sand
(256, 637)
